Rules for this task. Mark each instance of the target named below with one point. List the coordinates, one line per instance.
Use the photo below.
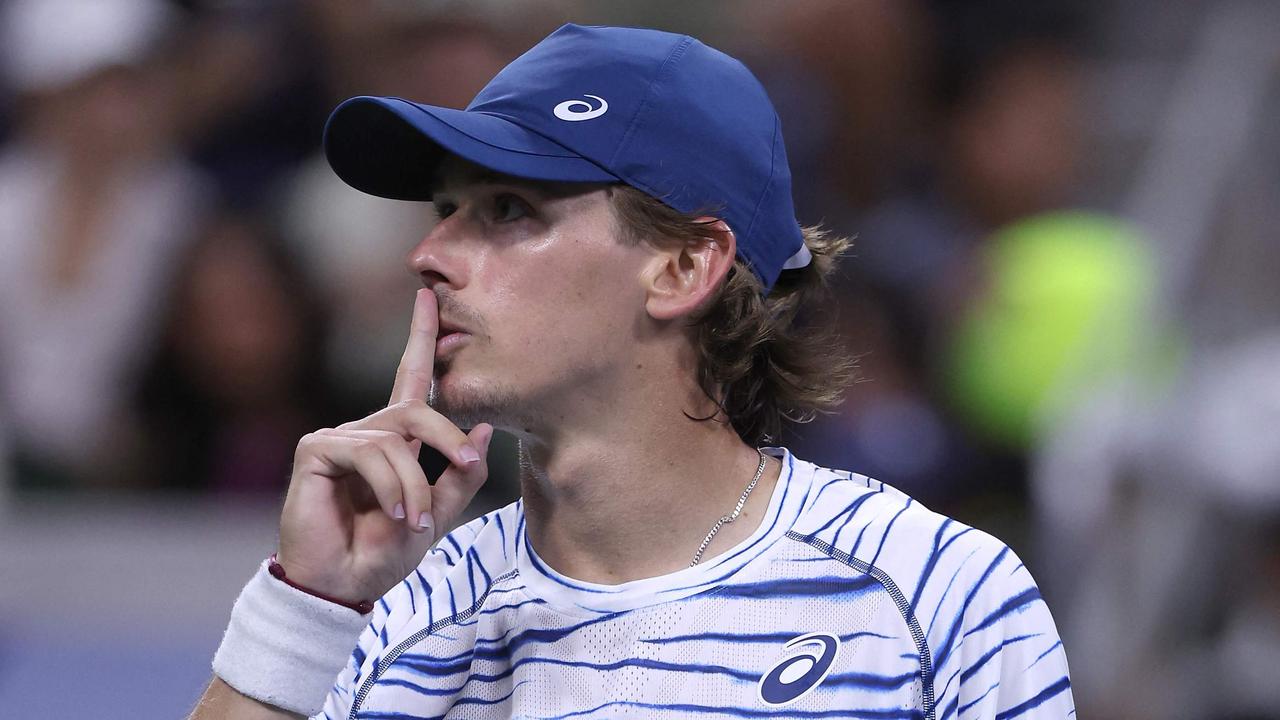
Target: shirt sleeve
(391, 613)
(998, 654)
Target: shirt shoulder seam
(904, 607)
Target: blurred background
(1064, 293)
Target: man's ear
(680, 278)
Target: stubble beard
(468, 404)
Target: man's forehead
(454, 173)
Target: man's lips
(449, 337)
(448, 328)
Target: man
(615, 279)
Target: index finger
(413, 377)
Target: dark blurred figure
(849, 80)
(991, 137)
(253, 95)
(1008, 110)
(95, 209)
(259, 79)
(237, 379)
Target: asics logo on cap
(575, 110)
(797, 675)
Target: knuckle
(310, 440)
(407, 406)
(387, 441)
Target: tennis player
(616, 279)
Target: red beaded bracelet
(363, 607)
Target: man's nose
(436, 260)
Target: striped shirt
(850, 600)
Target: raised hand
(360, 514)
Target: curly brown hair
(760, 360)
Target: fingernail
(398, 512)
(469, 454)
(424, 521)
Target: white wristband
(285, 647)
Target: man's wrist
(285, 646)
(361, 607)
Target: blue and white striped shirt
(850, 600)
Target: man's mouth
(449, 336)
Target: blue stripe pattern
(930, 620)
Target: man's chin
(470, 401)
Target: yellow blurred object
(1065, 295)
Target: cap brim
(390, 147)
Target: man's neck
(635, 499)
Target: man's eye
(444, 209)
(509, 208)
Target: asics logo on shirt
(577, 110)
(797, 675)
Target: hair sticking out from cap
(759, 362)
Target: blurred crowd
(1062, 291)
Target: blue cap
(663, 113)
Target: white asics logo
(575, 110)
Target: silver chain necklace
(737, 510)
